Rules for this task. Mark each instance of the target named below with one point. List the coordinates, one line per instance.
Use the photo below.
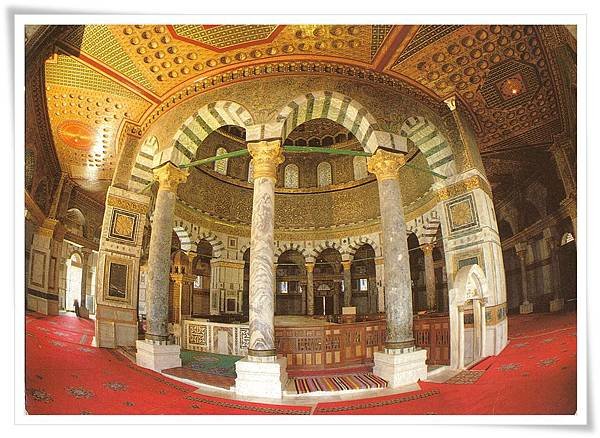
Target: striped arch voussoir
(217, 245)
(184, 238)
(327, 244)
(290, 247)
(333, 106)
(432, 144)
(360, 241)
(196, 128)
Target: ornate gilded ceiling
(100, 76)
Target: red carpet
(535, 374)
(64, 377)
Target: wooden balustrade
(331, 345)
(324, 345)
(432, 332)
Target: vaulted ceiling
(102, 75)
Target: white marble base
(401, 369)
(157, 357)
(526, 308)
(557, 305)
(261, 379)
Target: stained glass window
(221, 165)
(360, 167)
(324, 174)
(290, 177)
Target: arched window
(290, 176)
(360, 167)
(566, 238)
(221, 165)
(251, 171)
(324, 174)
(75, 222)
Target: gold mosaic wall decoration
(224, 36)
(99, 42)
(470, 60)
(461, 213)
(85, 109)
(123, 225)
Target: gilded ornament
(170, 176)
(126, 204)
(266, 156)
(385, 164)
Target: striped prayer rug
(338, 383)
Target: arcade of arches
(306, 197)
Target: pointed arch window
(221, 165)
(360, 167)
(324, 177)
(291, 176)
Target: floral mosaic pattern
(116, 386)
(509, 367)
(41, 396)
(79, 392)
(547, 362)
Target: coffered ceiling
(102, 75)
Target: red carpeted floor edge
(535, 374)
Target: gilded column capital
(346, 264)
(266, 156)
(385, 164)
(170, 176)
(521, 250)
(428, 248)
(310, 266)
(451, 102)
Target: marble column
(154, 352)
(85, 262)
(266, 155)
(346, 264)
(429, 277)
(310, 287)
(261, 373)
(401, 363)
(557, 303)
(157, 293)
(526, 306)
(379, 275)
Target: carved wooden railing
(330, 345)
(322, 345)
(432, 332)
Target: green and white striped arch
(333, 106)
(188, 138)
(432, 144)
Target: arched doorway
(179, 289)
(441, 273)
(417, 273)
(201, 287)
(364, 283)
(567, 262)
(290, 292)
(73, 289)
(467, 317)
(328, 279)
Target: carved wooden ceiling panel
(103, 75)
